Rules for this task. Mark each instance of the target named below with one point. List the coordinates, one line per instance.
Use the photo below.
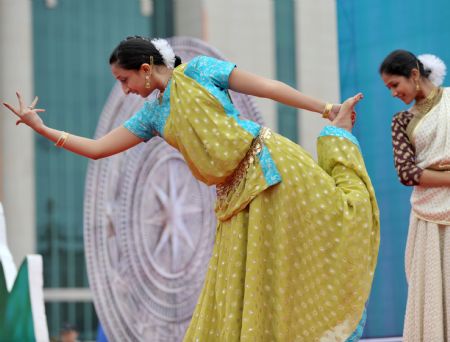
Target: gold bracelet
(63, 142)
(327, 110)
(62, 139)
(59, 139)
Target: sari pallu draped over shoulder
(431, 139)
(220, 147)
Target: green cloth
(16, 317)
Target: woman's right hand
(27, 115)
(346, 117)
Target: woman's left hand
(353, 117)
(347, 115)
(335, 110)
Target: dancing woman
(420, 138)
(296, 241)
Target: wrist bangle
(62, 139)
(327, 110)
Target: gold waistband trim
(231, 183)
(444, 223)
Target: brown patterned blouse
(404, 153)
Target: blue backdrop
(368, 31)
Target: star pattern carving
(171, 217)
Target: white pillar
(189, 19)
(317, 61)
(244, 32)
(16, 143)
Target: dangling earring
(417, 82)
(147, 77)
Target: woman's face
(132, 81)
(401, 87)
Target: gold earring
(147, 77)
(417, 86)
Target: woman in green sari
(296, 241)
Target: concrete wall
(188, 19)
(318, 62)
(16, 143)
(242, 30)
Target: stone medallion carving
(149, 227)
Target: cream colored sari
(427, 259)
(431, 139)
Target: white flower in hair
(437, 68)
(165, 50)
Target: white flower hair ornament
(165, 50)
(436, 66)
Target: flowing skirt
(427, 264)
(297, 263)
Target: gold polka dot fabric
(292, 261)
(211, 142)
(297, 263)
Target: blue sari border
(339, 132)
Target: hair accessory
(436, 66)
(165, 50)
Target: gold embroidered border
(227, 187)
(444, 223)
(418, 118)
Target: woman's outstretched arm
(251, 84)
(118, 140)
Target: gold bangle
(62, 139)
(63, 142)
(327, 110)
(59, 139)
